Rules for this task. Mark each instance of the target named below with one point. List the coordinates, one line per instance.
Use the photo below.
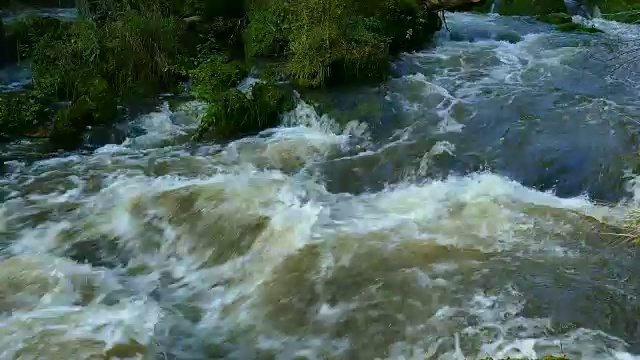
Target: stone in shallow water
(508, 36)
(555, 18)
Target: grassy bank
(122, 50)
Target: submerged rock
(508, 36)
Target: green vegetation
(120, 51)
(21, 114)
(627, 11)
(565, 23)
(555, 18)
(575, 27)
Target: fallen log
(451, 5)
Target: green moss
(575, 27)
(269, 101)
(22, 114)
(235, 114)
(215, 76)
(555, 18)
(531, 7)
(69, 125)
(509, 36)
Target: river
(457, 211)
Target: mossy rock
(235, 114)
(268, 102)
(22, 114)
(530, 7)
(96, 106)
(215, 76)
(555, 18)
(69, 125)
(508, 36)
(100, 99)
(575, 27)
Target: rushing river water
(452, 213)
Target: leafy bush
(214, 76)
(21, 114)
(234, 113)
(334, 41)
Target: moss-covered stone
(234, 113)
(508, 36)
(575, 27)
(268, 102)
(69, 125)
(531, 7)
(555, 18)
(21, 114)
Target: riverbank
(112, 56)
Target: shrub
(574, 27)
(235, 114)
(23, 34)
(214, 76)
(135, 54)
(21, 114)
(333, 41)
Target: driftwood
(450, 5)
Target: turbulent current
(460, 210)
